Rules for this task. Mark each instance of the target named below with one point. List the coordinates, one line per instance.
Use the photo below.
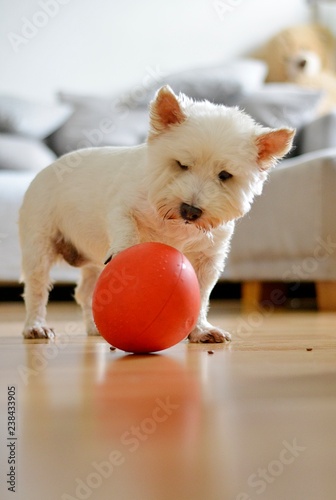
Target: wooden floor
(255, 419)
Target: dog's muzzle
(190, 213)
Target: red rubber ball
(146, 299)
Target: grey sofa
(289, 234)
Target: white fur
(103, 200)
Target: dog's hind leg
(36, 266)
(83, 295)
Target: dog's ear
(273, 145)
(165, 110)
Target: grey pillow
(122, 120)
(221, 84)
(31, 119)
(22, 153)
(99, 121)
(282, 104)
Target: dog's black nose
(190, 213)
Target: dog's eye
(224, 175)
(183, 167)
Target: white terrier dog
(199, 170)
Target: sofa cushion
(23, 153)
(31, 119)
(99, 122)
(319, 134)
(290, 232)
(122, 120)
(222, 83)
(13, 185)
(282, 104)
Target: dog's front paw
(209, 334)
(38, 332)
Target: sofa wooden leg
(251, 294)
(263, 294)
(326, 295)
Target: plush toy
(304, 55)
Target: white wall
(101, 46)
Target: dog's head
(207, 162)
